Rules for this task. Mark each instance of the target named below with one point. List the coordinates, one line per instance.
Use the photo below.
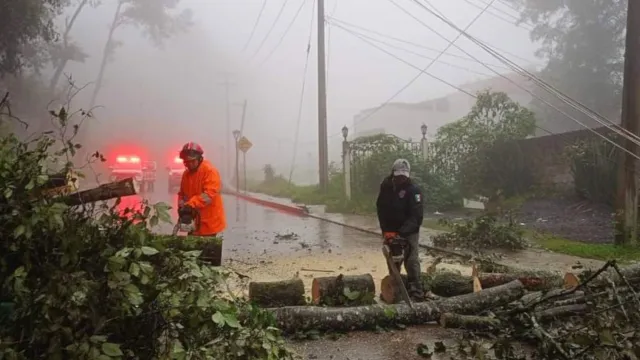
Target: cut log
(469, 322)
(560, 311)
(555, 294)
(303, 318)
(485, 323)
(449, 284)
(116, 189)
(277, 293)
(631, 273)
(343, 290)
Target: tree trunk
(631, 273)
(122, 188)
(105, 56)
(469, 322)
(452, 284)
(303, 318)
(561, 311)
(278, 293)
(62, 63)
(343, 290)
(485, 323)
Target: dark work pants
(412, 266)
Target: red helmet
(191, 151)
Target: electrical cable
(549, 88)
(304, 82)
(423, 71)
(286, 31)
(528, 27)
(344, 23)
(412, 52)
(493, 53)
(273, 25)
(563, 135)
(541, 83)
(255, 26)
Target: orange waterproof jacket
(201, 191)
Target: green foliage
(594, 169)
(482, 233)
(90, 283)
(269, 173)
(372, 160)
(483, 145)
(583, 43)
(25, 25)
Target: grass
(587, 250)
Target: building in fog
(404, 119)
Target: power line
(413, 52)
(423, 71)
(286, 31)
(344, 23)
(304, 82)
(541, 83)
(273, 25)
(255, 26)
(528, 28)
(500, 57)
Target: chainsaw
(185, 222)
(394, 253)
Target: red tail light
(130, 159)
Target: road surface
(265, 244)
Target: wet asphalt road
(253, 230)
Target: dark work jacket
(400, 208)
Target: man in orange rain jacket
(200, 194)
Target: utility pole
(627, 196)
(227, 135)
(244, 153)
(323, 153)
(244, 114)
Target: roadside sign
(244, 144)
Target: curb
(290, 209)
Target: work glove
(389, 236)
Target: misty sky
(172, 95)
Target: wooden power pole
(627, 197)
(323, 153)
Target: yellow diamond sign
(244, 144)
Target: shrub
(89, 283)
(482, 233)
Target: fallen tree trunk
(292, 319)
(343, 290)
(631, 273)
(485, 323)
(449, 284)
(116, 189)
(560, 311)
(469, 322)
(277, 293)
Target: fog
(163, 97)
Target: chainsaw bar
(395, 274)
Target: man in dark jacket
(400, 212)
